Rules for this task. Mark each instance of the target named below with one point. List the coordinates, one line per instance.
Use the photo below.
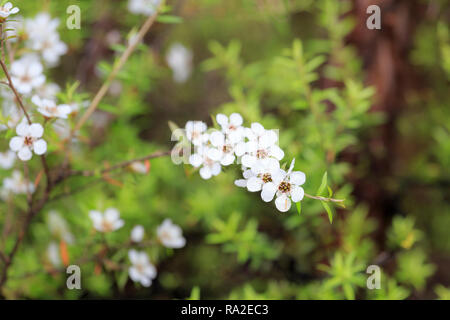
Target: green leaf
(330, 192)
(299, 207)
(173, 126)
(169, 19)
(328, 210)
(323, 185)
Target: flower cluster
(141, 270)
(42, 47)
(255, 148)
(144, 7)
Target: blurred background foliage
(369, 107)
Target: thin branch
(118, 66)
(88, 173)
(324, 198)
(11, 85)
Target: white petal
(25, 154)
(257, 128)
(236, 119)
(118, 224)
(227, 159)
(96, 216)
(283, 203)
(222, 119)
(16, 143)
(23, 129)
(276, 152)
(278, 175)
(240, 148)
(268, 191)
(254, 184)
(247, 174)
(297, 178)
(112, 214)
(137, 234)
(297, 194)
(36, 130)
(146, 282)
(40, 146)
(196, 160)
(272, 164)
(132, 255)
(241, 183)
(217, 138)
(248, 160)
(291, 167)
(205, 173)
(214, 154)
(216, 168)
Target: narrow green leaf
(173, 126)
(299, 207)
(323, 185)
(330, 192)
(328, 210)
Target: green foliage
(345, 273)
(413, 268)
(288, 65)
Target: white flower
(7, 9)
(14, 29)
(7, 159)
(10, 110)
(77, 106)
(261, 145)
(26, 74)
(139, 167)
(107, 222)
(195, 132)
(141, 270)
(28, 139)
(49, 109)
(231, 126)
(62, 129)
(48, 90)
(17, 184)
(170, 235)
(50, 47)
(209, 167)
(137, 233)
(145, 7)
(247, 174)
(224, 149)
(41, 26)
(179, 59)
(286, 186)
(53, 254)
(264, 171)
(58, 227)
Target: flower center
(284, 187)
(209, 162)
(227, 148)
(28, 141)
(107, 226)
(261, 154)
(165, 235)
(195, 135)
(266, 177)
(140, 267)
